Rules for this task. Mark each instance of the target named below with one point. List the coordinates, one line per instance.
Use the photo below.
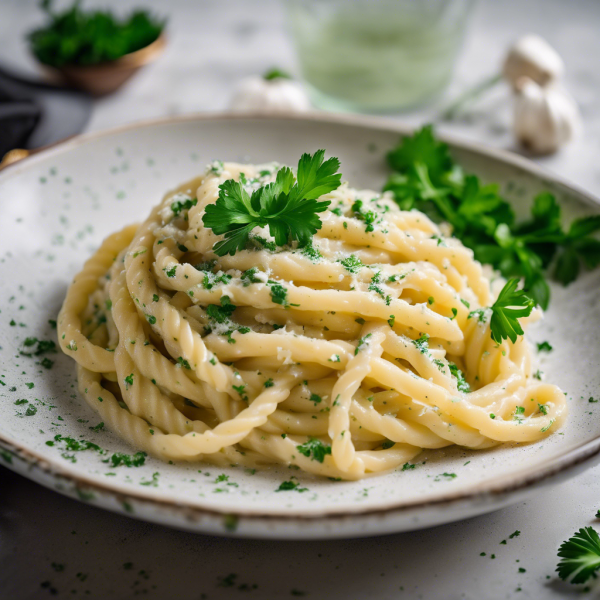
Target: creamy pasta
(345, 357)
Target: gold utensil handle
(13, 156)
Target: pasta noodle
(345, 357)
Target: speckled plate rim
(477, 499)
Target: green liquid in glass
(377, 55)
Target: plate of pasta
(295, 327)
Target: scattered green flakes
(33, 347)
(352, 264)
(544, 347)
(71, 445)
(128, 381)
(314, 449)
(362, 344)
(151, 482)
(98, 427)
(127, 460)
(445, 477)
(278, 294)
(292, 485)
(181, 362)
(180, 206)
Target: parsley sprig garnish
(426, 178)
(506, 311)
(288, 206)
(580, 556)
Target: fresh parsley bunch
(426, 178)
(288, 206)
(78, 37)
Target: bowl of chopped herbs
(95, 50)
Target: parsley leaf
(510, 305)
(315, 449)
(288, 206)
(580, 556)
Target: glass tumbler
(377, 55)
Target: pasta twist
(345, 358)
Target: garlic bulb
(273, 92)
(531, 56)
(545, 118)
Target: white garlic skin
(531, 56)
(276, 95)
(545, 118)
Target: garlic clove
(274, 95)
(545, 118)
(531, 56)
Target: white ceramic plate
(57, 206)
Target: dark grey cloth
(34, 114)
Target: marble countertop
(53, 545)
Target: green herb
(269, 383)
(276, 74)
(352, 264)
(580, 556)
(422, 343)
(315, 398)
(368, 216)
(288, 206)
(78, 37)
(362, 343)
(34, 347)
(249, 276)
(461, 383)
(221, 314)
(128, 381)
(128, 460)
(183, 363)
(315, 449)
(292, 485)
(544, 347)
(426, 178)
(510, 305)
(311, 252)
(278, 293)
(180, 206)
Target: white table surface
(212, 44)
